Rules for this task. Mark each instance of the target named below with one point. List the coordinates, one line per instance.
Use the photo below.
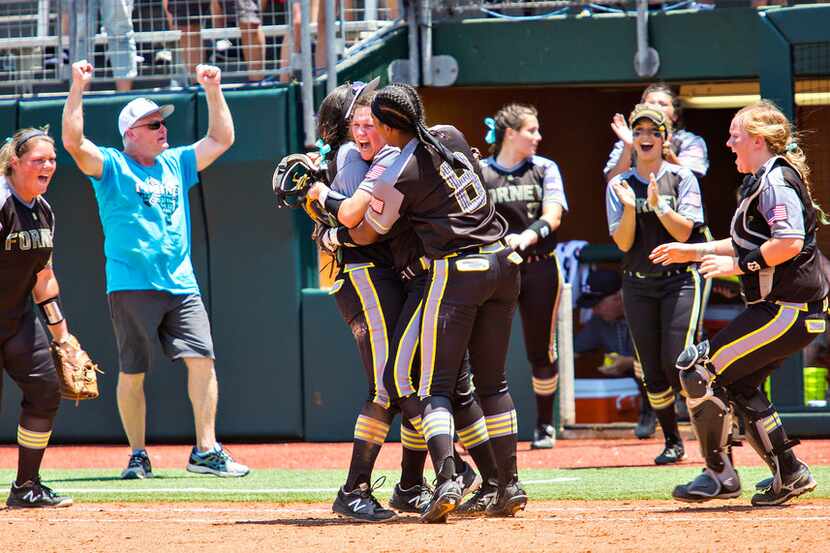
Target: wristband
(343, 238)
(752, 262)
(662, 208)
(540, 227)
(51, 310)
(332, 204)
(324, 193)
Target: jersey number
(466, 186)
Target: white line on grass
(256, 491)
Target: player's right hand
(82, 72)
(620, 128)
(674, 252)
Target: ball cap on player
(601, 283)
(138, 108)
(647, 111)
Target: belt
(416, 268)
(492, 247)
(818, 306)
(664, 274)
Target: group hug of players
(436, 248)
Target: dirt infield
(596, 527)
(573, 526)
(567, 454)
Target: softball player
(684, 148)
(369, 296)
(651, 204)
(27, 225)
(472, 293)
(528, 192)
(773, 249)
(406, 253)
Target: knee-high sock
(500, 416)
(370, 432)
(545, 382)
(33, 435)
(438, 428)
(413, 454)
(472, 433)
(663, 405)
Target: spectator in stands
(117, 21)
(249, 19)
(682, 148)
(607, 331)
(187, 16)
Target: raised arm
(86, 154)
(220, 134)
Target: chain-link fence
(160, 42)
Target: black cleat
(509, 500)
(477, 505)
(138, 467)
(544, 437)
(796, 484)
(34, 494)
(361, 505)
(706, 487)
(411, 500)
(444, 500)
(672, 453)
(646, 425)
(762, 485)
(470, 480)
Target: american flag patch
(777, 213)
(375, 171)
(376, 204)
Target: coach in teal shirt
(145, 213)
(151, 289)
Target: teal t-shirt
(145, 214)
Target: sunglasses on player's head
(154, 126)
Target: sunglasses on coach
(154, 126)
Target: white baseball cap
(138, 108)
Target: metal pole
(567, 401)
(426, 42)
(331, 48)
(370, 10)
(412, 24)
(307, 72)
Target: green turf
(88, 485)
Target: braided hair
(399, 106)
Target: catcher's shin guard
(712, 421)
(767, 437)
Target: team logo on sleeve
(376, 204)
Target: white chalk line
(253, 491)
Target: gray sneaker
(138, 468)
(796, 484)
(217, 462)
(544, 437)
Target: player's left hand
(718, 266)
(314, 191)
(674, 252)
(512, 240)
(526, 239)
(208, 75)
(653, 195)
